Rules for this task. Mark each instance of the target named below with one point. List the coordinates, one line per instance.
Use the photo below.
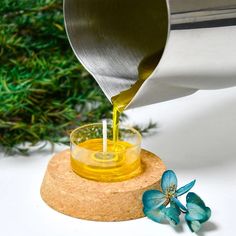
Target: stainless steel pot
(192, 44)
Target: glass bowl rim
(127, 127)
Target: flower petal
(156, 215)
(196, 212)
(185, 188)
(173, 204)
(194, 198)
(172, 215)
(194, 225)
(169, 182)
(208, 215)
(153, 199)
(179, 204)
(197, 209)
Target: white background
(196, 137)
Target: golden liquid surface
(120, 162)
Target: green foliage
(41, 81)
(44, 91)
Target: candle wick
(104, 135)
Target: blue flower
(164, 205)
(197, 212)
(155, 202)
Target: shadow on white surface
(207, 228)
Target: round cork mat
(68, 193)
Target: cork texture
(70, 194)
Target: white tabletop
(196, 137)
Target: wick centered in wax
(104, 156)
(104, 136)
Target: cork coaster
(75, 196)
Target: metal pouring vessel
(192, 44)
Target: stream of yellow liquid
(122, 100)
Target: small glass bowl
(121, 161)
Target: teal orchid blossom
(164, 205)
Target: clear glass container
(120, 162)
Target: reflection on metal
(194, 42)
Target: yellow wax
(120, 162)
